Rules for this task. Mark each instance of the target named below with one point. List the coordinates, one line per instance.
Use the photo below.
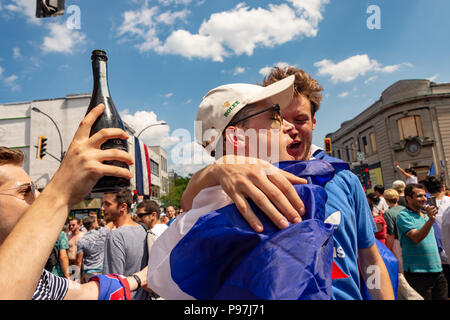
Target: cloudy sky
(164, 55)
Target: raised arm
(21, 260)
(242, 178)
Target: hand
(431, 212)
(82, 166)
(242, 177)
(396, 163)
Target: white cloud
(168, 95)
(174, 2)
(11, 82)
(1, 71)
(238, 70)
(25, 7)
(157, 135)
(343, 94)
(371, 79)
(353, 67)
(62, 39)
(266, 70)
(189, 157)
(16, 53)
(434, 78)
(234, 32)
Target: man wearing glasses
(148, 213)
(346, 208)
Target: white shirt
(442, 205)
(412, 179)
(159, 228)
(445, 230)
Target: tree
(177, 187)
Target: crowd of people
(409, 219)
(126, 258)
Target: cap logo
(230, 107)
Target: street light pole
(152, 125)
(59, 132)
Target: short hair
(78, 220)
(379, 188)
(304, 84)
(88, 222)
(411, 170)
(150, 206)
(409, 190)
(123, 196)
(391, 196)
(374, 198)
(433, 184)
(11, 156)
(398, 185)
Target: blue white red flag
(141, 179)
(210, 252)
(112, 287)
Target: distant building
(20, 128)
(410, 123)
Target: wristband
(138, 280)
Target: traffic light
(365, 176)
(327, 144)
(42, 148)
(49, 8)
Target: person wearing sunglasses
(148, 212)
(23, 210)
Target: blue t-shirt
(347, 208)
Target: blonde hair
(391, 195)
(399, 186)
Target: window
(163, 164)
(410, 126)
(373, 142)
(154, 167)
(365, 145)
(354, 150)
(347, 152)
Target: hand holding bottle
(83, 164)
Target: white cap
(221, 104)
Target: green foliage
(176, 189)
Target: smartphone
(432, 201)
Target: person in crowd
(148, 213)
(74, 235)
(171, 214)
(436, 189)
(126, 249)
(399, 186)
(378, 216)
(355, 226)
(23, 208)
(421, 262)
(61, 268)
(91, 248)
(409, 173)
(379, 191)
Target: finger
(292, 178)
(247, 212)
(115, 154)
(106, 134)
(262, 201)
(85, 126)
(111, 170)
(283, 195)
(288, 201)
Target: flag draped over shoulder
(210, 252)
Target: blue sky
(166, 54)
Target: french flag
(141, 179)
(210, 252)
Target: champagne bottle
(109, 119)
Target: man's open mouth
(294, 148)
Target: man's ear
(123, 208)
(234, 136)
(314, 122)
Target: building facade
(21, 125)
(410, 124)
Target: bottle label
(103, 79)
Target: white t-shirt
(159, 228)
(442, 205)
(412, 179)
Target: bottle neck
(100, 72)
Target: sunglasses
(140, 215)
(275, 112)
(23, 191)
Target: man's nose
(289, 128)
